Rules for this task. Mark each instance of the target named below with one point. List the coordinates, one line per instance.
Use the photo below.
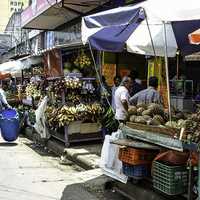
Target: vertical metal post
(199, 177)
(166, 69)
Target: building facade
(8, 7)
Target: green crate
(171, 180)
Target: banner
(109, 72)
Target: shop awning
(20, 64)
(50, 14)
(104, 30)
(194, 37)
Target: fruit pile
(66, 114)
(32, 91)
(152, 114)
(82, 60)
(73, 83)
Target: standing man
(136, 84)
(149, 95)
(117, 81)
(122, 99)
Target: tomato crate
(169, 179)
(136, 171)
(136, 156)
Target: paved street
(29, 175)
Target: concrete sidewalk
(86, 155)
(27, 174)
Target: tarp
(194, 37)
(20, 64)
(173, 14)
(117, 28)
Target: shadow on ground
(100, 189)
(8, 144)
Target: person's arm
(133, 100)
(125, 104)
(124, 100)
(3, 99)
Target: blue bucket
(9, 124)
(9, 114)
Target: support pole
(167, 70)
(199, 177)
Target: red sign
(37, 7)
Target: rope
(99, 78)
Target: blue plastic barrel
(9, 124)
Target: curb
(81, 157)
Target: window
(15, 3)
(11, 3)
(19, 3)
(11, 9)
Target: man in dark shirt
(149, 95)
(136, 86)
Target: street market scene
(100, 100)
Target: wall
(6, 12)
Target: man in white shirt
(122, 99)
(117, 81)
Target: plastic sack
(109, 162)
(40, 125)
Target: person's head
(153, 82)
(134, 74)
(117, 80)
(126, 82)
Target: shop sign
(37, 7)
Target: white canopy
(18, 65)
(158, 13)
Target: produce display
(66, 114)
(72, 83)
(82, 60)
(32, 91)
(153, 114)
(38, 70)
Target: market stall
(73, 110)
(151, 28)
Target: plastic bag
(40, 126)
(109, 162)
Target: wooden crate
(74, 127)
(155, 129)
